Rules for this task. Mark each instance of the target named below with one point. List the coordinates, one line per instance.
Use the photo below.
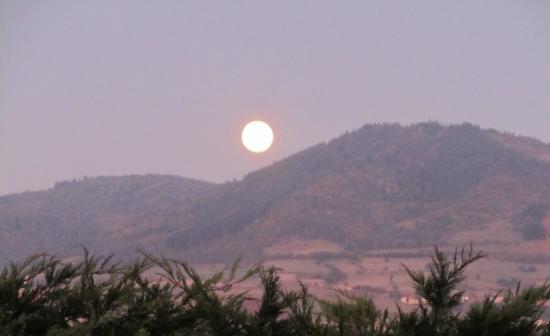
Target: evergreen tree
(44, 295)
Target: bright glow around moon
(257, 136)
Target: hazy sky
(117, 87)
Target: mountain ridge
(382, 185)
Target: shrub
(44, 295)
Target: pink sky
(106, 88)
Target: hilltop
(381, 186)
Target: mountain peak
(382, 185)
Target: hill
(381, 186)
(104, 213)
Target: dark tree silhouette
(44, 295)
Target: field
(380, 274)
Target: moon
(257, 136)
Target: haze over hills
(381, 186)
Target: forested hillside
(109, 213)
(380, 186)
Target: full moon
(257, 136)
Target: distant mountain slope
(380, 186)
(103, 213)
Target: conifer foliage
(98, 296)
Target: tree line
(97, 296)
